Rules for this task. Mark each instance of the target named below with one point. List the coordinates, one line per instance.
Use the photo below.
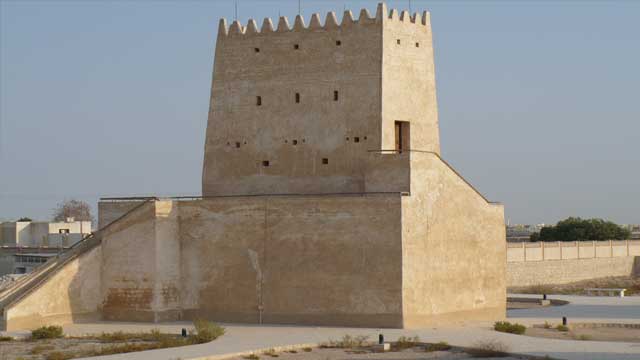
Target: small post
(380, 339)
(564, 320)
(184, 332)
(544, 296)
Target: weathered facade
(325, 199)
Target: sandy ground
(346, 354)
(40, 349)
(632, 284)
(593, 334)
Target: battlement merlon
(331, 23)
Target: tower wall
(294, 137)
(408, 81)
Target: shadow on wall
(84, 289)
(635, 271)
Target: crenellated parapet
(383, 15)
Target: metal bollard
(564, 320)
(544, 296)
(380, 339)
(184, 332)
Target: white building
(26, 244)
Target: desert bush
(487, 349)
(546, 325)
(251, 357)
(562, 328)
(47, 332)
(405, 342)
(6, 338)
(307, 349)
(507, 327)
(439, 346)
(205, 331)
(347, 342)
(583, 337)
(271, 352)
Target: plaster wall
(332, 260)
(129, 266)
(294, 137)
(408, 81)
(69, 295)
(552, 272)
(109, 211)
(453, 248)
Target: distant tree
(25, 219)
(577, 229)
(77, 209)
(535, 236)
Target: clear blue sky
(539, 101)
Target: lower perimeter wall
(556, 272)
(71, 294)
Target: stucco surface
(129, 266)
(323, 260)
(69, 295)
(453, 248)
(553, 272)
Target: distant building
(635, 231)
(27, 244)
(522, 232)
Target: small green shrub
(206, 331)
(507, 327)
(439, 346)
(583, 337)
(347, 342)
(251, 357)
(405, 342)
(6, 338)
(47, 332)
(562, 328)
(307, 349)
(546, 325)
(292, 351)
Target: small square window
(335, 95)
(347, 139)
(417, 44)
(237, 144)
(297, 97)
(338, 42)
(296, 46)
(325, 161)
(265, 163)
(356, 139)
(295, 142)
(256, 50)
(398, 41)
(258, 100)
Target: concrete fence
(547, 263)
(563, 250)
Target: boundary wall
(552, 263)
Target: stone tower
(298, 110)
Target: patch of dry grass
(488, 349)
